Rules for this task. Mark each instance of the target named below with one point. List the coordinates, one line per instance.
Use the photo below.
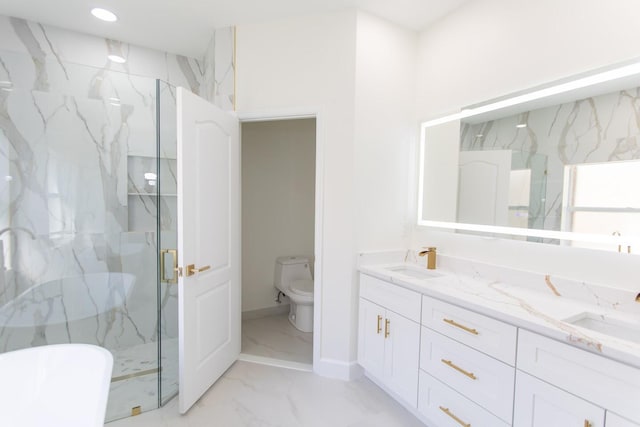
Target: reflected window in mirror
(603, 198)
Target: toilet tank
(290, 268)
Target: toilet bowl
(293, 278)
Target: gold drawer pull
(379, 327)
(451, 414)
(450, 364)
(387, 328)
(458, 325)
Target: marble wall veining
(77, 132)
(602, 128)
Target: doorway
(278, 220)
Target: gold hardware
(174, 268)
(638, 298)
(458, 325)
(136, 410)
(136, 374)
(379, 328)
(459, 369)
(191, 269)
(178, 270)
(431, 257)
(617, 233)
(387, 329)
(587, 423)
(452, 415)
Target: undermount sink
(612, 327)
(415, 272)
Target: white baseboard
(275, 362)
(265, 312)
(338, 369)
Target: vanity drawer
(393, 297)
(444, 407)
(483, 333)
(614, 420)
(602, 381)
(483, 379)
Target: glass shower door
(82, 218)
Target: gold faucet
(431, 257)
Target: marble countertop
(538, 303)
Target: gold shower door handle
(191, 269)
(175, 270)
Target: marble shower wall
(76, 133)
(598, 129)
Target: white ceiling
(185, 26)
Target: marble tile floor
(127, 392)
(250, 394)
(275, 337)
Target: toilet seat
(303, 287)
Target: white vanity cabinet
(539, 404)
(605, 383)
(464, 355)
(614, 420)
(389, 336)
(457, 367)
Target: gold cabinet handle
(458, 325)
(587, 423)
(450, 364)
(452, 415)
(191, 269)
(378, 326)
(387, 328)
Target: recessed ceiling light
(116, 58)
(479, 135)
(104, 14)
(521, 125)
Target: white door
(483, 187)
(371, 337)
(208, 244)
(402, 356)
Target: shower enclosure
(87, 204)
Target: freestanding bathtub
(67, 300)
(63, 385)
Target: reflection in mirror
(570, 167)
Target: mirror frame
(555, 92)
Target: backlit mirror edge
(593, 77)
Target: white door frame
(305, 113)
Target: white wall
(308, 63)
(490, 48)
(385, 132)
(278, 195)
(358, 73)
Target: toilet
(293, 278)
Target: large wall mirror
(554, 164)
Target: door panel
(208, 244)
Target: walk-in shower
(87, 202)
